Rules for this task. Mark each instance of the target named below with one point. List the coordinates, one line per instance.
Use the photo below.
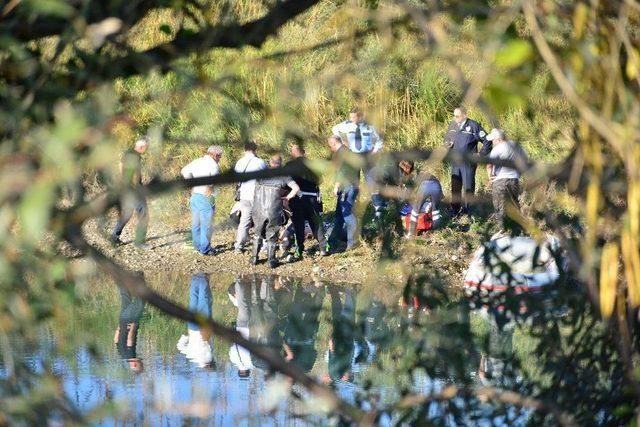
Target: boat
(520, 264)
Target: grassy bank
(226, 97)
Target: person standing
(463, 137)
(267, 212)
(247, 163)
(346, 192)
(362, 138)
(202, 200)
(307, 206)
(505, 181)
(132, 202)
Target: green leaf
(165, 28)
(35, 209)
(514, 54)
(59, 8)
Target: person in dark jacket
(307, 205)
(267, 212)
(463, 137)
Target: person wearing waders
(463, 137)
(362, 138)
(307, 205)
(267, 213)
(346, 192)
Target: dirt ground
(444, 252)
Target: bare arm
(294, 190)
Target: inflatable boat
(518, 263)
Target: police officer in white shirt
(247, 163)
(202, 200)
(362, 138)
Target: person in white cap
(131, 173)
(505, 181)
(202, 202)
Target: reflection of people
(131, 172)
(267, 212)
(301, 324)
(126, 335)
(257, 320)
(342, 342)
(196, 345)
(494, 360)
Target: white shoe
(183, 341)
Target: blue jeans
(200, 299)
(344, 207)
(202, 211)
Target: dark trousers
(307, 208)
(462, 176)
(126, 210)
(505, 192)
(267, 228)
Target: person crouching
(267, 212)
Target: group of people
(278, 207)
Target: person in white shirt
(362, 138)
(247, 163)
(505, 181)
(202, 200)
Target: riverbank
(444, 252)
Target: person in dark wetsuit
(267, 213)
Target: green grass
(227, 96)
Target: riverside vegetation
(79, 82)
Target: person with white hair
(130, 202)
(505, 181)
(202, 202)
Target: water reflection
(197, 344)
(372, 345)
(126, 335)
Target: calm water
(124, 363)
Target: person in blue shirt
(362, 138)
(463, 137)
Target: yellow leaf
(608, 278)
(631, 258)
(579, 20)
